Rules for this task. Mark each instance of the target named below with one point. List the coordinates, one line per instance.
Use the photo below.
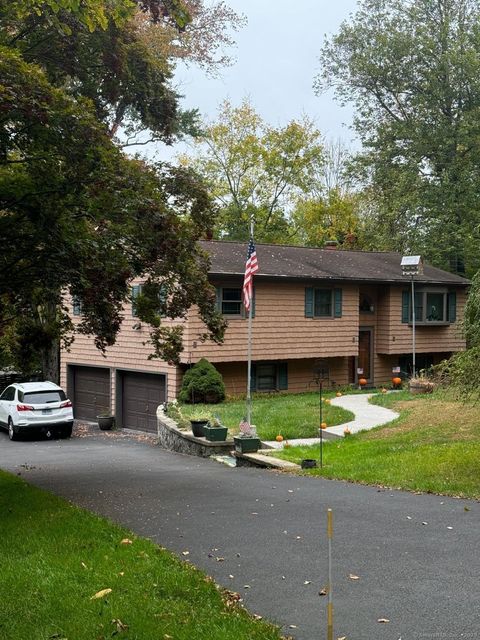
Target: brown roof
(311, 263)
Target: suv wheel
(12, 431)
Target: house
(317, 312)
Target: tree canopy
(77, 216)
(411, 70)
(255, 170)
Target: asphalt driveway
(263, 534)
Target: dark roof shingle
(312, 263)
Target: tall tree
(76, 214)
(256, 170)
(411, 69)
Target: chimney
(331, 244)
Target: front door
(365, 354)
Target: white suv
(36, 407)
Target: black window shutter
(282, 376)
(309, 302)
(452, 306)
(405, 306)
(337, 296)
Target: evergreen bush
(202, 383)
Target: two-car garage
(137, 397)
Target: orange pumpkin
(279, 438)
(323, 425)
(362, 382)
(397, 381)
(338, 394)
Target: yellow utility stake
(330, 587)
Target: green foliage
(332, 217)
(291, 415)
(434, 447)
(202, 383)
(411, 70)
(76, 215)
(461, 373)
(256, 171)
(174, 412)
(471, 321)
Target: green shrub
(202, 383)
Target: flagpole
(249, 350)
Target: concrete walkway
(367, 416)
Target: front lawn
(292, 416)
(434, 446)
(56, 559)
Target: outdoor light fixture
(412, 266)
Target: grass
(292, 416)
(434, 446)
(55, 557)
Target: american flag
(251, 267)
(244, 427)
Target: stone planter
(246, 445)
(198, 427)
(215, 434)
(106, 423)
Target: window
(435, 307)
(77, 306)
(431, 306)
(8, 394)
(323, 303)
(42, 397)
(366, 305)
(230, 303)
(269, 376)
(137, 290)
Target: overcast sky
(276, 62)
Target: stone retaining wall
(174, 439)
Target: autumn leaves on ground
(433, 446)
(70, 575)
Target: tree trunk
(51, 362)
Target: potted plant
(199, 419)
(247, 441)
(215, 431)
(106, 421)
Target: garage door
(141, 395)
(91, 392)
